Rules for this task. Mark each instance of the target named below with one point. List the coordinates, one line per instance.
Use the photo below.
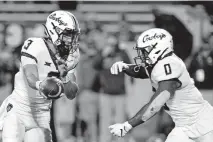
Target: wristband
(38, 84)
(128, 125)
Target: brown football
(53, 88)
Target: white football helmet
(152, 45)
(63, 30)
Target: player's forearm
(137, 119)
(32, 81)
(150, 109)
(156, 105)
(70, 89)
(135, 71)
(143, 115)
(31, 73)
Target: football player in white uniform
(25, 114)
(173, 87)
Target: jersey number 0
(167, 69)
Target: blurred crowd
(102, 97)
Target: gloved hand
(73, 60)
(118, 67)
(119, 129)
(62, 67)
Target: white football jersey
(33, 49)
(187, 101)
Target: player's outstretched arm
(130, 69)
(135, 71)
(165, 90)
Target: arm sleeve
(136, 72)
(30, 52)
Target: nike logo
(121, 132)
(47, 64)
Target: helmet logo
(155, 36)
(57, 19)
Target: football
(52, 88)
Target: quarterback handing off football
(51, 88)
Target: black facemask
(69, 43)
(142, 57)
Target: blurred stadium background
(103, 24)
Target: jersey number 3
(29, 42)
(167, 69)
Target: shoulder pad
(167, 68)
